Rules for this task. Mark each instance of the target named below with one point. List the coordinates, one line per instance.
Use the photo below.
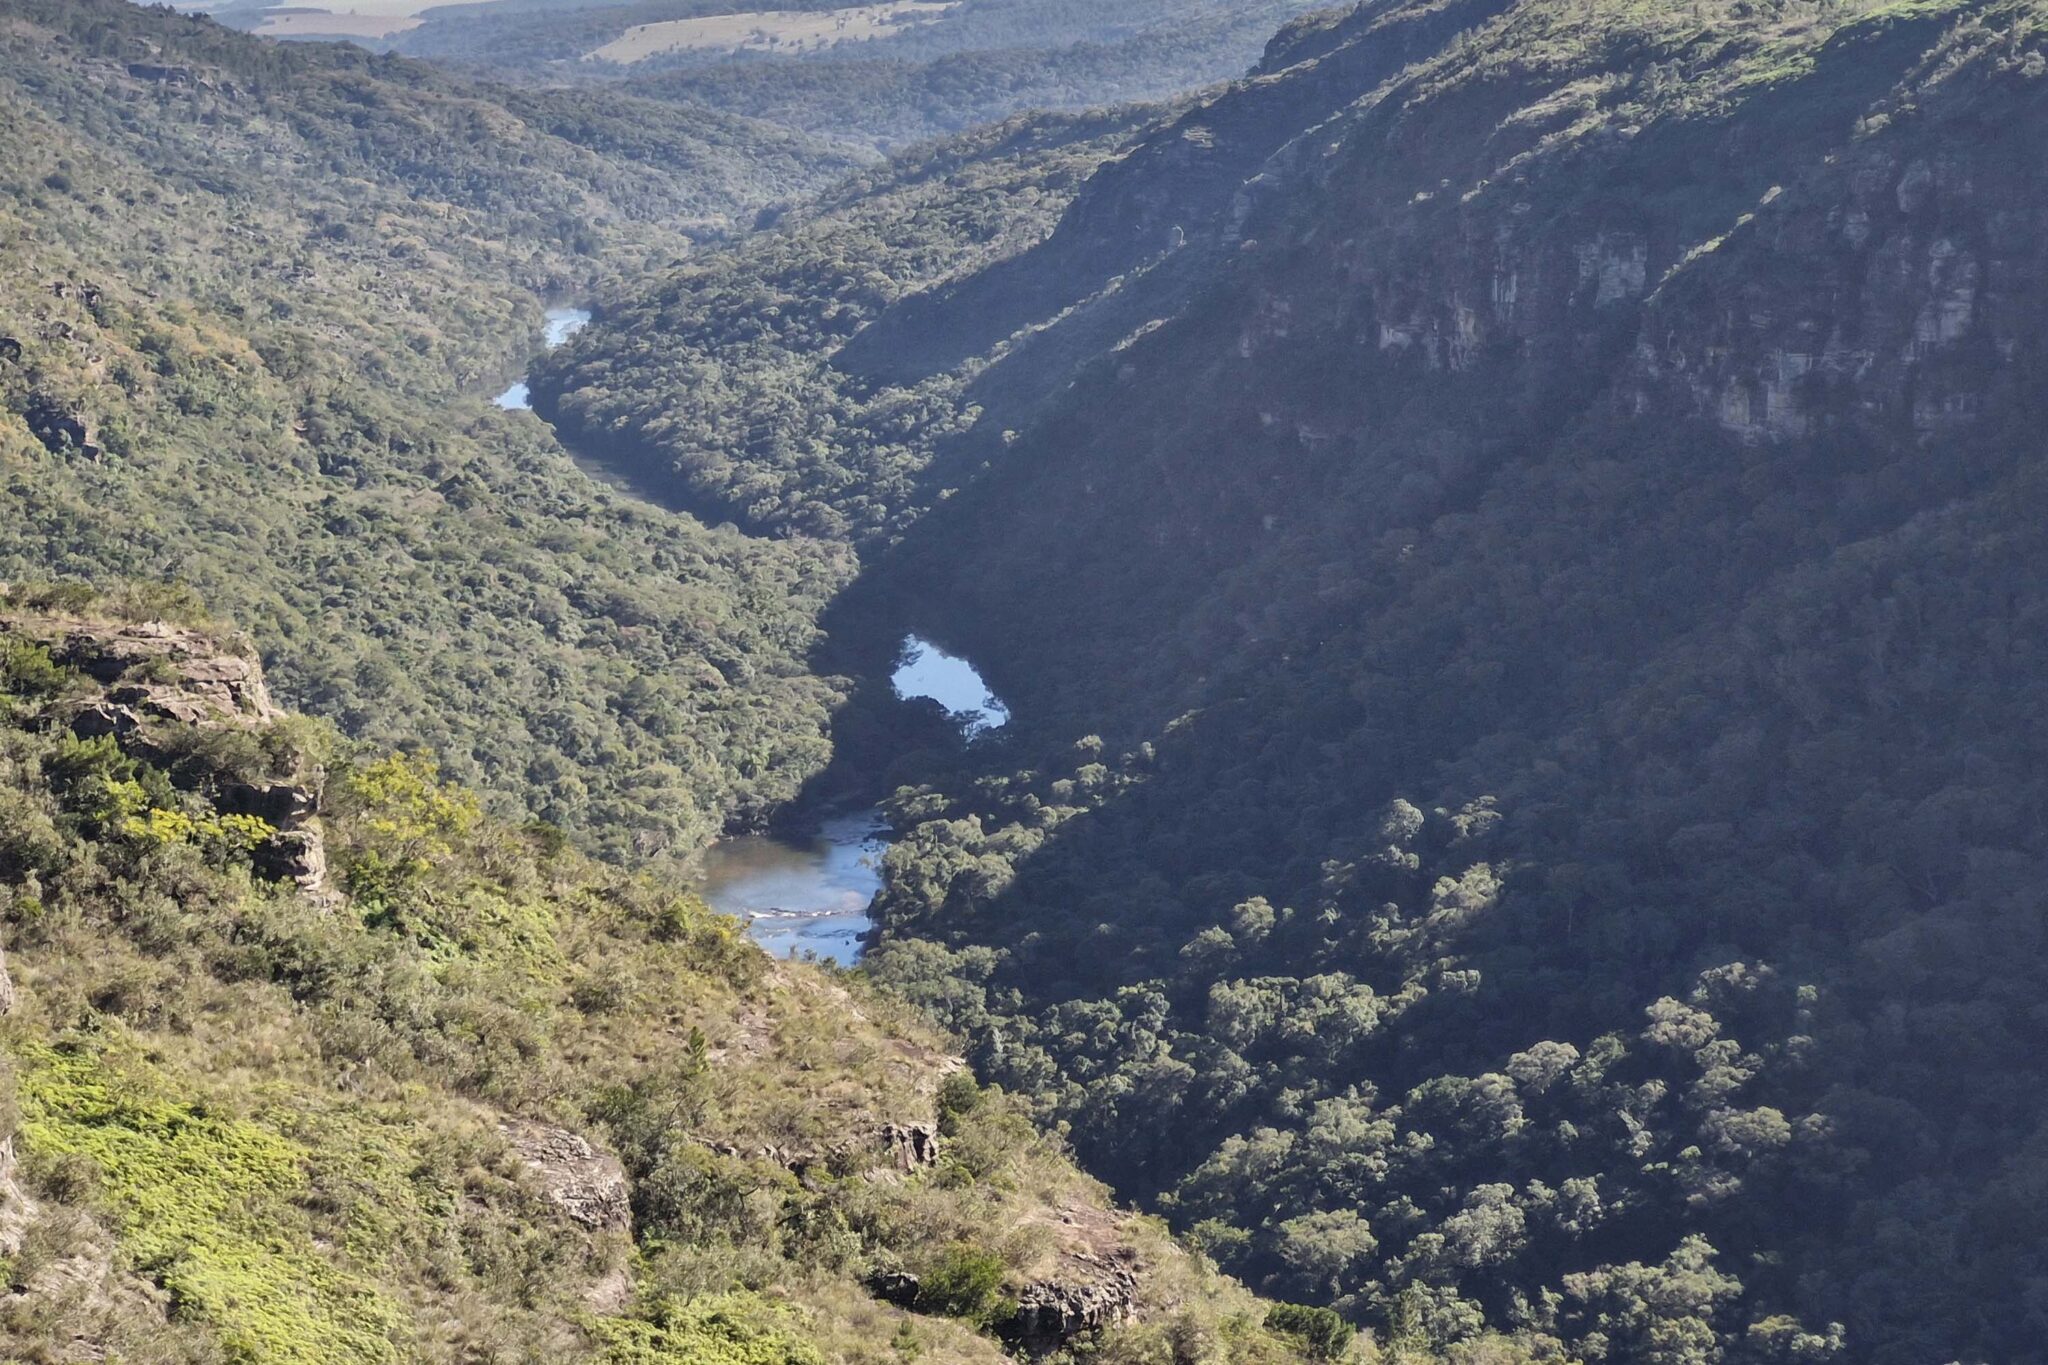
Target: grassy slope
(265, 1125)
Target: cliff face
(1817, 227)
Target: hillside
(281, 400)
(717, 381)
(880, 77)
(306, 1060)
(1507, 538)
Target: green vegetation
(269, 1122)
(1511, 540)
(966, 1282)
(1322, 1330)
(720, 383)
(206, 1206)
(1535, 550)
(731, 1329)
(288, 398)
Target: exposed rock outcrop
(163, 671)
(1052, 1313)
(1089, 1283)
(295, 855)
(585, 1182)
(911, 1146)
(158, 675)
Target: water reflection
(812, 894)
(558, 326)
(807, 894)
(926, 670)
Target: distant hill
(840, 71)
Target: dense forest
(717, 382)
(1507, 541)
(282, 402)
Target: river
(558, 326)
(810, 893)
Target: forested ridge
(1507, 540)
(718, 382)
(281, 400)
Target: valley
(1482, 800)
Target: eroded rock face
(167, 672)
(295, 855)
(585, 1182)
(1052, 1313)
(159, 675)
(1090, 1281)
(911, 1146)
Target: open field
(767, 31)
(368, 20)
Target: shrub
(729, 1329)
(959, 1095)
(966, 1283)
(27, 670)
(1321, 1330)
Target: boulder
(295, 855)
(10, 348)
(898, 1287)
(105, 718)
(584, 1182)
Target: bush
(27, 670)
(1321, 1330)
(959, 1095)
(966, 1283)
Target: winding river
(810, 893)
